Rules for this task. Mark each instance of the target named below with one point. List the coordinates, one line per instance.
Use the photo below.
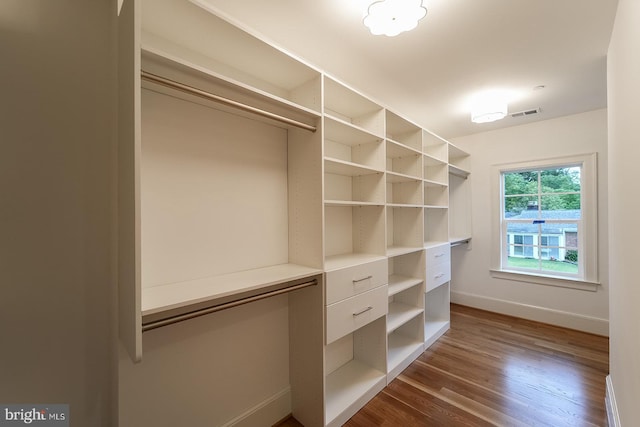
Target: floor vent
(526, 112)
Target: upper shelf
(215, 45)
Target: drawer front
(351, 281)
(438, 255)
(348, 315)
(437, 275)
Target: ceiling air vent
(526, 112)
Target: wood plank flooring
(494, 370)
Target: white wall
(471, 282)
(56, 124)
(624, 205)
(211, 370)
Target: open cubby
(405, 344)
(403, 161)
(435, 171)
(403, 191)
(436, 195)
(435, 147)
(345, 104)
(436, 226)
(355, 368)
(436, 313)
(404, 230)
(403, 132)
(353, 230)
(352, 145)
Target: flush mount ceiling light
(489, 107)
(392, 17)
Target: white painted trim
(267, 412)
(542, 279)
(565, 319)
(610, 402)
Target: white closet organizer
(240, 181)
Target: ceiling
(460, 48)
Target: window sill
(548, 280)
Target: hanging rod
(197, 313)
(222, 100)
(460, 242)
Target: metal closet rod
(197, 313)
(222, 100)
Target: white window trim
(588, 245)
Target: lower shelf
(434, 330)
(350, 387)
(402, 351)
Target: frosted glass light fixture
(488, 108)
(392, 17)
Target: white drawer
(438, 255)
(350, 281)
(437, 275)
(352, 313)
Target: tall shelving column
(436, 236)
(405, 321)
(355, 262)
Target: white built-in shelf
(433, 243)
(435, 207)
(393, 251)
(432, 183)
(394, 177)
(341, 167)
(177, 68)
(211, 291)
(399, 283)
(401, 349)
(333, 117)
(403, 205)
(398, 149)
(349, 384)
(347, 203)
(336, 262)
(399, 314)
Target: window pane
(523, 262)
(520, 183)
(560, 180)
(560, 202)
(517, 205)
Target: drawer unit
(438, 266)
(439, 254)
(351, 281)
(352, 313)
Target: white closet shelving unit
(356, 279)
(309, 188)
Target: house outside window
(547, 218)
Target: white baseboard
(565, 319)
(268, 412)
(610, 403)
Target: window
(547, 218)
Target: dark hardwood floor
(494, 370)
